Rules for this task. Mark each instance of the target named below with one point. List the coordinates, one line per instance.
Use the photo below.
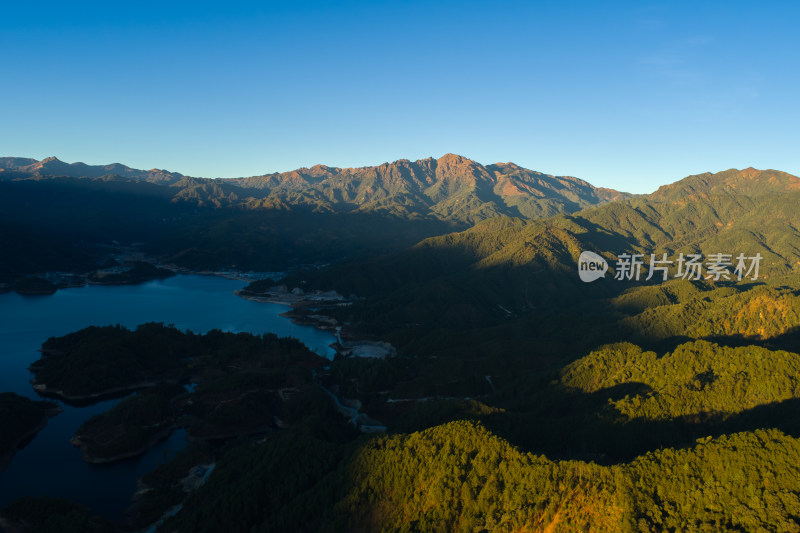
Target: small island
(129, 273)
(34, 286)
(240, 383)
(112, 272)
(96, 362)
(20, 418)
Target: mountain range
(451, 188)
(503, 215)
(507, 267)
(24, 167)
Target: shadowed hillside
(270, 222)
(451, 188)
(506, 266)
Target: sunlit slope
(459, 477)
(511, 266)
(452, 188)
(695, 379)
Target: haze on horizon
(629, 96)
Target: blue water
(50, 465)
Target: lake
(50, 465)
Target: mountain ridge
(510, 266)
(23, 167)
(452, 187)
(748, 181)
(733, 180)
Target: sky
(626, 95)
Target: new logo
(591, 267)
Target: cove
(49, 464)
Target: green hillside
(460, 477)
(508, 267)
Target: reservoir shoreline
(198, 302)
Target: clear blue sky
(628, 95)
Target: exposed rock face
(451, 187)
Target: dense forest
(20, 419)
(240, 384)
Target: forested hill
(735, 211)
(451, 188)
(508, 267)
(750, 182)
